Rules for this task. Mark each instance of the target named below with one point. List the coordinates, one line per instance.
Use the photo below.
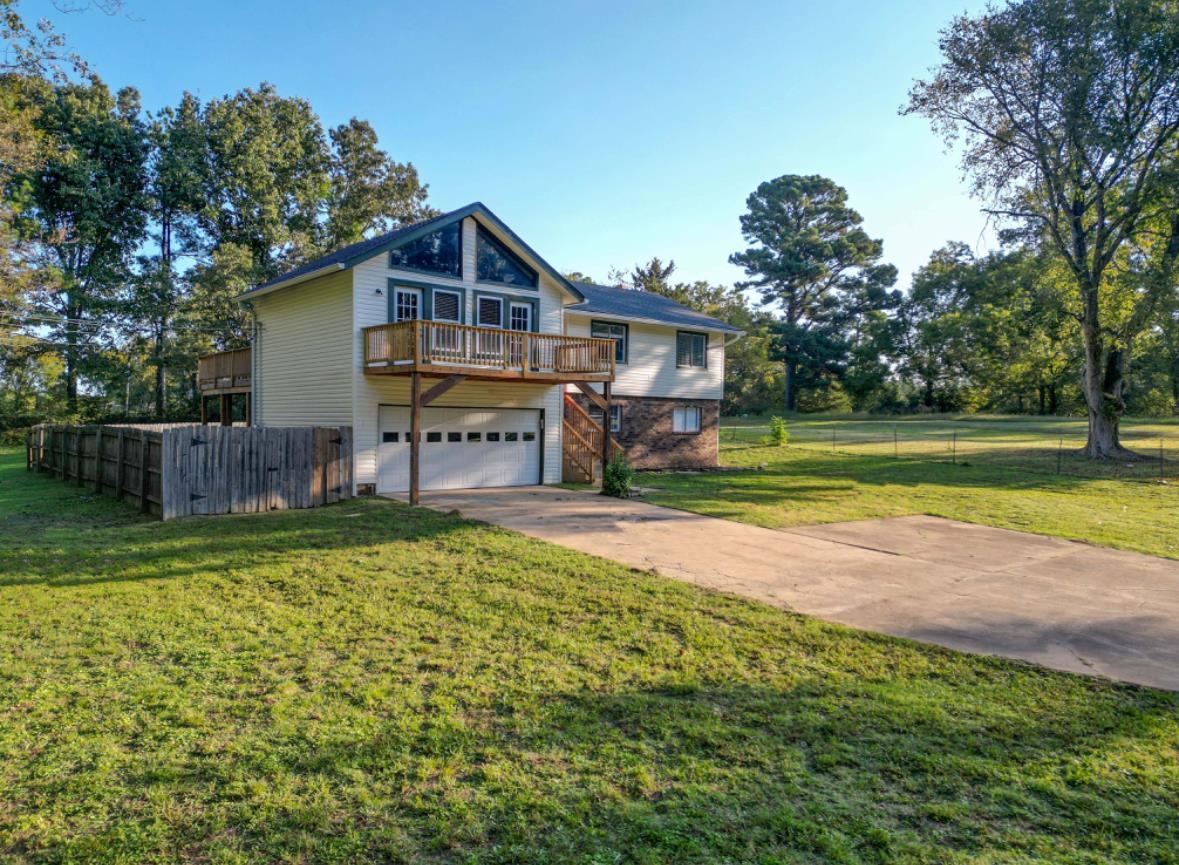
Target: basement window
(685, 419)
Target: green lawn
(806, 482)
(367, 682)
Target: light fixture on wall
(378, 292)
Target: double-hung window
(691, 349)
(615, 417)
(490, 312)
(447, 306)
(685, 419)
(612, 330)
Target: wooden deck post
(204, 409)
(415, 437)
(226, 409)
(605, 428)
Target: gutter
(294, 280)
(569, 310)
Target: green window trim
(505, 310)
(483, 236)
(427, 289)
(456, 227)
(622, 350)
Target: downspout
(255, 353)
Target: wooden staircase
(582, 445)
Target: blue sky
(603, 133)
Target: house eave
(613, 316)
(335, 267)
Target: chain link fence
(1052, 449)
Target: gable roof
(644, 305)
(356, 253)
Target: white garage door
(461, 448)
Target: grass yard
(367, 682)
(995, 481)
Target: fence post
(896, 450)
(98, 459)
(119, 471)
(1162, 464)
(78, 457)
(28, 450)
(143, 443)
(954, 456)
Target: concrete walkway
(1058, 603)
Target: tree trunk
(1103, 383)
(1053, 399)
(161, 373)
(1043, 397)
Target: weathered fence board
(180, 470)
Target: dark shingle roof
(356, 250)
(629, 303)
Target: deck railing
(226, 369)
(416, 344)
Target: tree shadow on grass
(828, 769)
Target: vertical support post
(78, 477)
(415, 438)
(204, 409)
(249, 408)
(143, 443)
(120, 473)
(98, 460)
(226, 409)
(606, 455)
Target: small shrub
(778, 434)
(617, 478)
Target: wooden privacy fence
(182, 470)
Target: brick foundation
(646, 432)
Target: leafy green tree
(369, 192)
(83, 214)
(268, 178)
(1068, 115)
(653, 276)
(813, 261)
(176, 188)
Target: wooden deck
(224, 372)
(485, 353)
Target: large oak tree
(1067, 112)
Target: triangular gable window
(494, 262)
(439, 252)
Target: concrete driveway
(1059, 603)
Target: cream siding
(371, 391)
(650, 369)
(303, 371)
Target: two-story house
(456, 329)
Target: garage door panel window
(685, 419)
